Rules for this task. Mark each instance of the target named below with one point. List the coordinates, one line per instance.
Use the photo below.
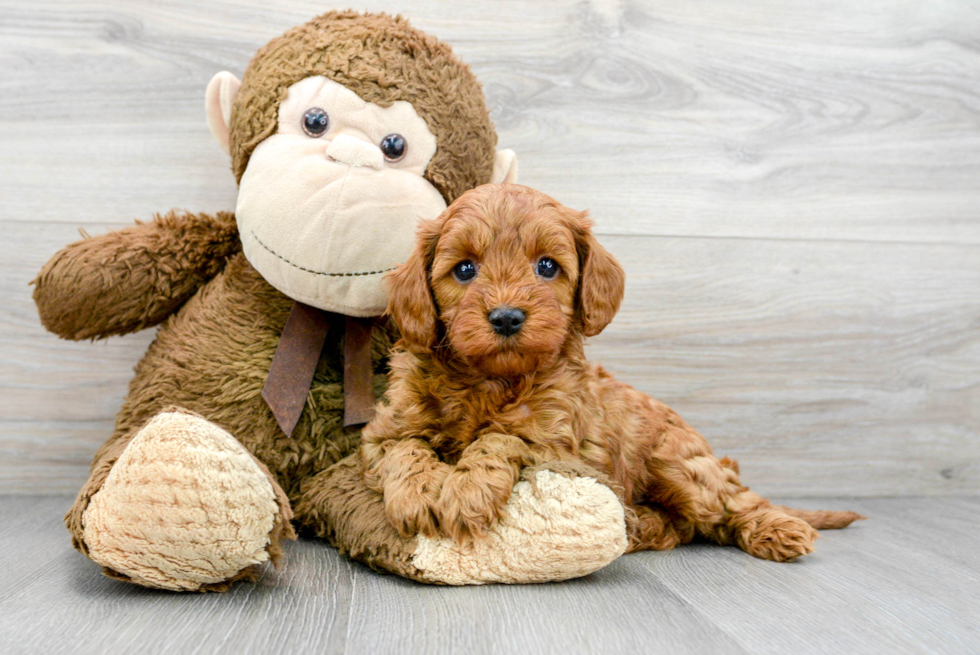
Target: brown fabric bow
(295, 361)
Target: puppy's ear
(410, 301)
(602, 280)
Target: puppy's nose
(506, 321)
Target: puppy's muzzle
(506, 321)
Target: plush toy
(244, 415)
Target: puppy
(491, 376)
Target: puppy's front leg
(475, 492)
(408, 473)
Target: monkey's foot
(185, 508)
(561, 522)
(558, 524)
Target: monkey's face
(331, 201)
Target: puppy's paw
(467, 507)
(410, 518)
(410, 506)
(777, 536)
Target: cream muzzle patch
(323, 218)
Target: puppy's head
(504, 277)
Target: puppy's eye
(315, 122)
(393, 147)
(465, 271)
(546, 268)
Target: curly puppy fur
(467, 408)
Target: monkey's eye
(393, 147)
(465, 271)
(315, 122)
(546, 268)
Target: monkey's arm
(132, 278)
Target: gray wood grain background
(793, 188)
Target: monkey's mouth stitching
(309, 270)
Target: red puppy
(490, 376)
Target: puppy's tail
(822, 519)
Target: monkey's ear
(602, 280)
(218, 99)
(410, 301)
(504, 168)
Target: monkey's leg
(180, 505)
(561, 522)
(691, 482)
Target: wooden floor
(905, 581)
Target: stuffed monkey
(244, 416)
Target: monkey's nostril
(506, 321)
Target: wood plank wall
(793, 188)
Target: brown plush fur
(133, 278)
(221, 321)
(382, 59)
(467, 408)
(211, 358)
(340, 508)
